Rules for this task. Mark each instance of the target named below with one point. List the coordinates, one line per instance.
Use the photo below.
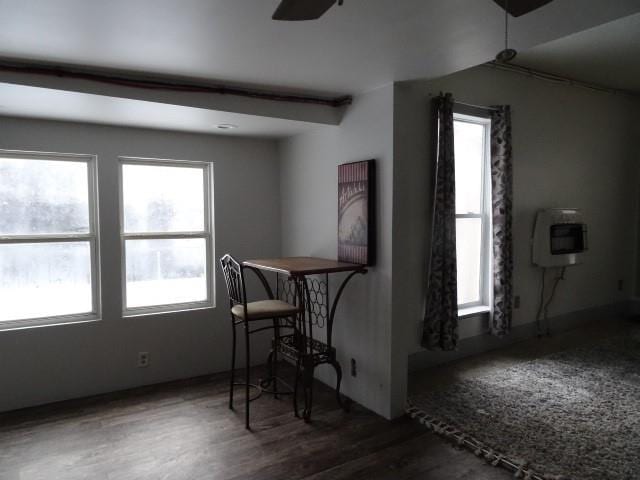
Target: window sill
(183, 308)
(473, 311)
(10, 325)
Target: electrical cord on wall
(543, 308)
(541, 304)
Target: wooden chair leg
(247, 377)
(233, 366)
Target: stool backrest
(234, 278)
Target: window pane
(43, 197)
(163, 272)
(44, 279)
(468, 243)
(468, 150)
(162, 198)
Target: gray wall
(46, 364)
(572, 147)
(309, 189)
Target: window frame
(485, 216)
(93, 237)
(207, 234)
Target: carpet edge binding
(520, 467)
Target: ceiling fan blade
(520, 7)
(302, 9)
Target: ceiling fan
(517, 8)
(303, 9)
(293, 10)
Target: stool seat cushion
(265, 309)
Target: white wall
(571, 147)
(309, 189)
(46, 364)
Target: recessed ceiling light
(226, 126)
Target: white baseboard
(484, 343)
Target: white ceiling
(353, 48)
(607, 55)
(36, 102)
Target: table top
(300, 266)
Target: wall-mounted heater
(559, 237)
(559, 240)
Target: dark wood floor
(184, 430)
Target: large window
(166, 227)
(473, 207)
(48, 241)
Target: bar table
(305, 281)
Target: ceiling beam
(307, 108)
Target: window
(473, 207)
(166, 225)
(48, 241)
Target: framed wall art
(356, 212)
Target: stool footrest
(251, 385)
(263, 387)
(266, 383)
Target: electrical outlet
(516, 302)
(620, 285)
(354, 370)
(143, 359)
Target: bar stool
(249, 314)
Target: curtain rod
(122, 80)
(552, 77)
(480, 107)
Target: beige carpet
(571, 414)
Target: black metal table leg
(343, 404)
(311, 356)
(307, 352)
(332, 359)
(307, 382)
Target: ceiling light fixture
(226, 126)
(508, 54)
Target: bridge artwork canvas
(356, 215)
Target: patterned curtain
(441, 314)
(502, 193)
